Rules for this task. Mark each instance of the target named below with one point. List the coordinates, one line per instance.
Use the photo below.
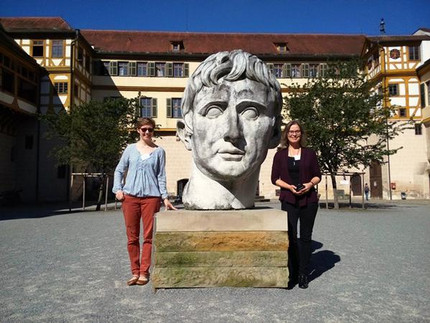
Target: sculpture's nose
(232, 131)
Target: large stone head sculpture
(231, 117)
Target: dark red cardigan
(309, 168)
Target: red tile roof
(389, 39)
(35, 24)
(204, 43)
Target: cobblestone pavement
(369, 265)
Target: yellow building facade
(84, 65)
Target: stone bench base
(246, 248)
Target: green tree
(345, 119)
(94, 134)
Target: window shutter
(154, 107)
(113, 68)
(422, 95)
(305, 70)
(151, 69)
(169, 108)
(186, 70)
(169, 69)
(132, 68)
(284, 70)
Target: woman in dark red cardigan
(296, 171)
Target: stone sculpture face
(231, 110)
(232, 125)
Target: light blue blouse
(146, 174)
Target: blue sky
(402, 17)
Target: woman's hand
(168, 205)
(119, 195)
(305, 189)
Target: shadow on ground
(321, 261)
(32, 211)
(355, 205)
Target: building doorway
(356, 185)
(375, 172)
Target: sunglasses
(147, 129)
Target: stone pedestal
(240, 248)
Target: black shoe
(303, 281)
(292, 282)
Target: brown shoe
(133, 280)
(143, 280)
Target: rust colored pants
(135, 209)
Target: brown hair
(145, 121)
(287, 129)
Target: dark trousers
(299, 251)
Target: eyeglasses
(297, 132)
(147, 129)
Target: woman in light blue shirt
(141, 195)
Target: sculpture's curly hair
(229, 66)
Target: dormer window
(177, 46)
(282, 48)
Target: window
(148, 107)
(8, 81)
(402, 112)
(27, 90)
(37, 48)
(428, 92)
(281, 48)
(313, 70)
(160, 69)
(87, 63)
(414, 53)
(142, 69)
(177, 46)
(122, 68)
(423, 95)
(376, 58)
(393, 89)
(418, 129)
(277, 70)
(295, 70)
(57, 48)
(178, 70)
(80, 54)
(61, 87)
(174, 108)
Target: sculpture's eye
(250, 113)
(214, 111)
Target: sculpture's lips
(231, 154)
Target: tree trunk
(335, 197)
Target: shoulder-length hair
(285, 142)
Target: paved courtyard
(368, 265)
